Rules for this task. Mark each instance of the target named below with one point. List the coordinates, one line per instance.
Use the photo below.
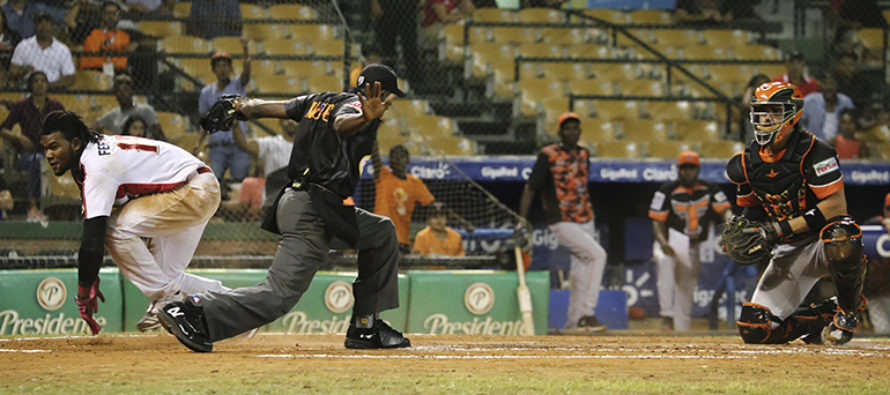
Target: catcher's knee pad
(756, 323)
(842, 242)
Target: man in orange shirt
(437, 239)
(107, 39)
(397, 192)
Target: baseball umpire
(795, 215)
(336, 131)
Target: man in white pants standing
(682, 211)
(560, 178)
(133, 188)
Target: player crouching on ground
(792, 191)
(133, 188)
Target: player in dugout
(437, 239)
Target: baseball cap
(376, 72)
(123, 79)
(688, 158)
(567, 116)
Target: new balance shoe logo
(174, 312)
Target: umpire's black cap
(379, 73)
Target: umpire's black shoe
(381, 335)
(186, 321)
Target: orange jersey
(562, 178)
(395, 198)
(427, 243)
(101, 40)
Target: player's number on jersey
(136, 143)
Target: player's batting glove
(88, 304)
(221, 115)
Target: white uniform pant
(790, 275)
(587, 265)
(879, 314)
(173, 222)
(676, 284)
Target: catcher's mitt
(747, 242)
(221, 115)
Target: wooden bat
(525, 297)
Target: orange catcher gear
(776, 108)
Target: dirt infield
(479, 364)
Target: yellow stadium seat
(264, 31)
(872, 38)
(263, 66)
(160, 29)
(252, 11)
(616, 109)
(333, 47)
(285, 47)
(64, 187)
(880, 151)
(726, 38)
(642, 88)
(432, 125)
(650, 17)
(232, 45)
(720, 148)
(615, 71)
(566, 72)
(198, 68)
(585, 108)
(102, 103)
(705, 52)
(532, 92)
(187, 141)
(677, 38)
(589, 51)
(303, 68)
(503, 73)
(608, 15)
(666, 149)
(389, 135)
(173, 124)
(450, 145)
(596, 130)
(541, 15)
(697, 130)
(642, 130)
(730, 73)
(514, 35)
(182, 9)
(669, 111)
(311, 32)
(756, 52)
(91, 80)
(292, 11)
(552, 107)
(494, 15)
(184, 44)
(77, 103)
(539, 50)
(325, 82)
(276, 83)
(880, 133)
(486, 53)
(591, 87)
(770, 70)
(618, 149)
(562, 36)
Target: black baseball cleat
(381, 335)
(186, 321)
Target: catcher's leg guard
(842, 240)
(759, 326)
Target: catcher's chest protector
(781, 187)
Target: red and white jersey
(118, 168)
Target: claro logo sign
(51, 293)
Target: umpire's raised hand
(373, 104)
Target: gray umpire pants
(302, 250)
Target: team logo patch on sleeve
(826, 166)
(657, 201)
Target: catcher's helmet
(771, 98)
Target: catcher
(792, 191)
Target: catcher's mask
(770, 100)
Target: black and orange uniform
(689, 210)
(562, 176)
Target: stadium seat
(591, 87)
(494, 15)
(252, 11)
(585, 108)
(432, 125)
(285, 47)
(91, 80)
(389, 135)
(643, 130)
(278, 83)
(645, 35)
(541, 15)
(756, 52)
(292, 11)
(514, 35)
(562, 36)
(311, 32)
(880, 151)
(650, 17)
(615, 71)
(616, 109)
(642, 88)
(264, 31)
(697, 130)
(502, 81)
(618, 149)
(666, 149)
(303, 68)
(102, 103)
(486, 53)
(532, 92)
(187, 141)
(333, 47)
(669, 111)
(565, 72)
(770, 70)
(173, 124)
(872, 38)
(160, 29)
(182, 9)
(184, 44)
(198, 68)
(540, 50)
(609, 15)
(554, 106)
(325, 82)
(730, 73)
(232, 45)
(596, 131)
(676, 38)
(450, 145)
(726, 38)
(586, 51)
(720, 148)
(704, 52)
(64, 187)
(77, 103)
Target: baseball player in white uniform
(133, 188)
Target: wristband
(815, 219)
(783, 228)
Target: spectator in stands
(701, 12)
(438, 13)
(18, 16)
(848, 17)
(158, 7)
(392, 19)
(846, 144)
(273, 151)
(43, 52)
(745, 128)
(28, 114)
(822, 109)
(108, 38)
(559, 178)
(437, 239)
(796, 66)
(114, 120)
(224, 154)
(853, 83)
(216, 18)
(370, 55)
(135, 126)
(397, 191)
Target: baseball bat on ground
(525, 297)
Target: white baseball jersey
(118, 168)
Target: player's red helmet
(774, 98)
